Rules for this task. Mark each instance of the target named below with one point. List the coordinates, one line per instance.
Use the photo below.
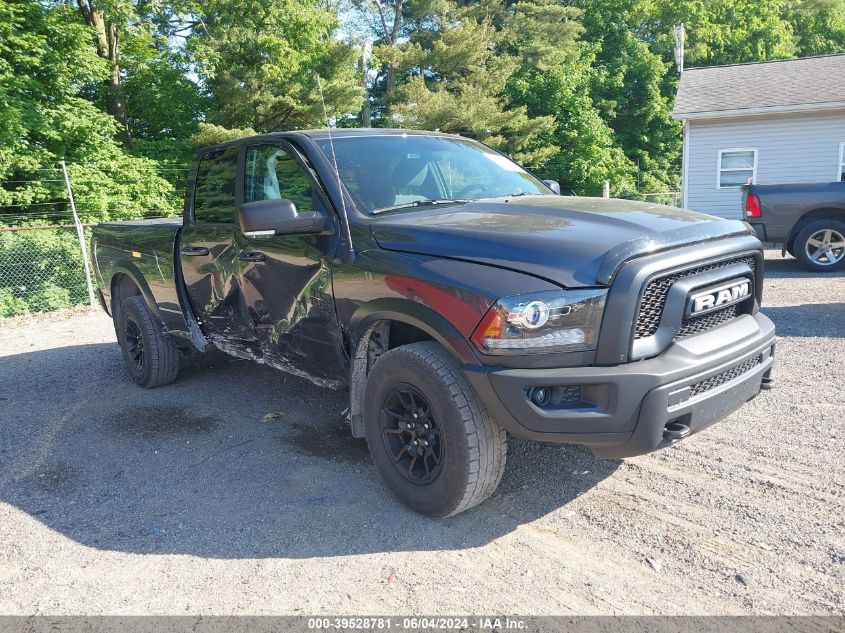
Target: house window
(842, 162)
(737, 167)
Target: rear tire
(460, 451)
(820, 246)
(151, 358)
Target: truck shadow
(777, 267)
(234, 460)
(808, 320)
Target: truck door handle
(251, 256)
(194, 250)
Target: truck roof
(323, 133)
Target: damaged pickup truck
(455, 296)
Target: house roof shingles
(779, 85)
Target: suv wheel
(431, 438)
(820, 246)
(151, 358)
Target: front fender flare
(416, 314)
(365, 320)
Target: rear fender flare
(816, 213)
(131, 271)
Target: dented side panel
(213, 287)
(288, 297)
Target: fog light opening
(540, 396)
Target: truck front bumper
(631, 409)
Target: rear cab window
(214, 191)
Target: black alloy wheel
(411, 435)
(431, 438)
(151, 357)
(134, 342)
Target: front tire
(151, 358)
(820, 246)
(430, 436)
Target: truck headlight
(554, 321)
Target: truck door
(286, 279)
(209, 256)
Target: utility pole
(80, 234)
(680, 41)
(366, 114)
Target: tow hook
(675, 431)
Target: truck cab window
(214, 192)
(273, 174)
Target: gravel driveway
(238, 490)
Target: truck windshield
(405, 171)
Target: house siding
(790, 148)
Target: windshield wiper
(421, 203)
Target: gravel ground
(190, 499)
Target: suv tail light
(752, 206)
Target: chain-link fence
(42, 267)
(671, 198)
(40, 270)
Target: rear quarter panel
(145, 252)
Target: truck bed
(143, 250)
(784, 206)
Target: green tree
(108, 19)
(146, 88)
(260, 59)
(588, 152)
(722, 31)
(163, 105)
(46, 61)
(457, 59)
(819, 26)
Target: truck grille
(706, 322)
(725, 376)
(654, 300)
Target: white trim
(740, 112)
(719, 169)
(840, 159)
(685, 165)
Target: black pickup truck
(807, 218)
(455, 296)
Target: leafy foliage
(124, 91)
(260, 60)
(587, 153)
(45, 56)
(458, 60)
(46, 61)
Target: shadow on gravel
(788, 267)
(808, 320)
(234, 460)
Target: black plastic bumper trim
(641, 397)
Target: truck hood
(571, 241)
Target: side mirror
(554, 185)
(277, 217)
